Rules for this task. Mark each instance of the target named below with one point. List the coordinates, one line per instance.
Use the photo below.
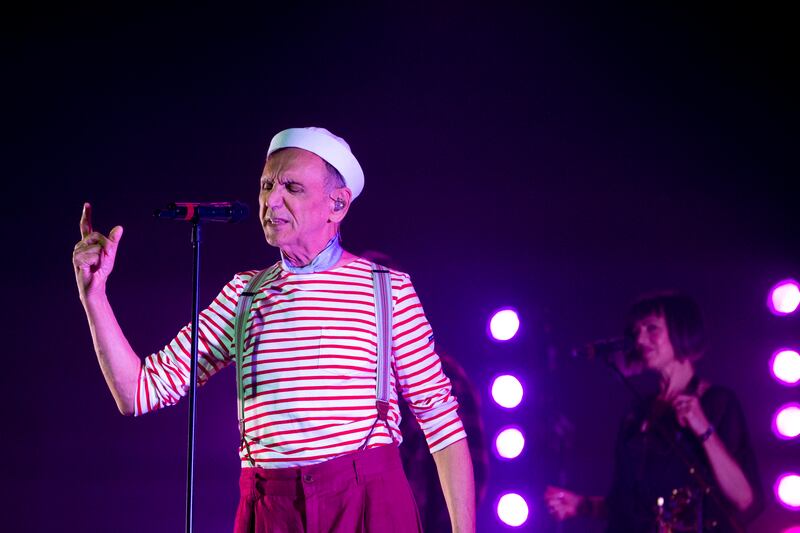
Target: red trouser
(364, 491)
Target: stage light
(504, 325)
(507, 391)
(786, 422)
(784, 297)
(787, 491)
(512, 509)
(785, 366)
(509, 443)
(792, 529)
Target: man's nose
(274, 197)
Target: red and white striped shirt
(309, 365)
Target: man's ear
(340, 203)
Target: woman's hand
(690, 413)
(562, 503)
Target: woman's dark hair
(682, 316)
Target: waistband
(357, 464)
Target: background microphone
(605, 349)
(203, 211)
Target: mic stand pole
(703, 485)
(193, 372)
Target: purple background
(558, 160)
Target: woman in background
(689, 422)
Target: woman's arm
(728, 473)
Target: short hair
(334, 179)
(682, 316)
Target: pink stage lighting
(509, 443)
(784, 297)
(786, 422)
(792, 529)
(507, 391)
(785, 366)
(512, 509)
(504, 325)
(787, 491)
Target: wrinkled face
(652, 342)
(293, 205)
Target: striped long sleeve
(309, 366)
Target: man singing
(316, 455)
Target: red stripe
(265, 333)
(301, 399)
(422, 370)
(421, 415)
(411, 296)
(439, 441)
(327, 456)
(434, 387)
(302, 378)
(283, 390)
(330, 282)
(361, 430)
(398, 325)
(253, 429)
(427, 348)
(147, 395)
(307, 449)
(415, 340)
(138, 390)
(327, 319)
(218, 331)
(403, 364)
(324, 367)
(314, 347)
(169, 375)
(176, 363)
(305, 409)
(325, 309)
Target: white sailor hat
(329, 147)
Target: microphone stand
(193, 369)
(195, 213)
(704, 486)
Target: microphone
(203, 211)
(605, 349)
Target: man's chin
(272, 239)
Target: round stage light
(507, 391)
(512, 509)
(504, 325)
(784, 297)
(785, 366)
(786, 422)
(787, 491)
(509, 443)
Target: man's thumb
(116, 234)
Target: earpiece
(338, 205)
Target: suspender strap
(382, 285)
(240, 325)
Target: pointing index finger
(86, 220)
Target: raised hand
(93, 256)
(561, 503)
